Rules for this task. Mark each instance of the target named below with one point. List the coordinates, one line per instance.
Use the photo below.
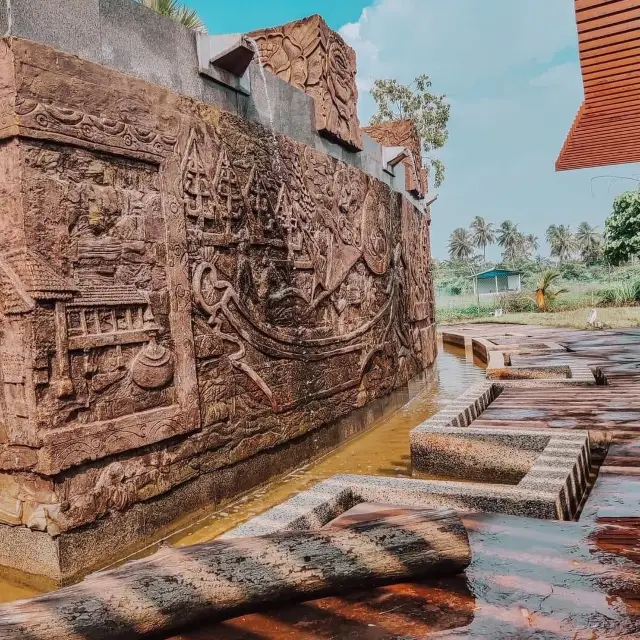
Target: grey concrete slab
(68, 25)
(142, 42)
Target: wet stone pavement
(529, 579)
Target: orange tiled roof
(607, 127)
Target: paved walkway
(529, 579)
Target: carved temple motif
(316, 60)
(403, 133)
(176, 295)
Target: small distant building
(497, 281)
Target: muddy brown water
(381, 450)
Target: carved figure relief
(180, 299)
(417, 255)
(316, 60)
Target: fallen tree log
(180, 586)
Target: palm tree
(589, 241)
(461, 244)
(550, 233)
(562, 241)
(483, 234)
(173, 9)
(510, 239)
(532, 242)
(545, 291)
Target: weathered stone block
(403, 133)
(316, 60)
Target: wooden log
(180, 586)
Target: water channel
(382, 450)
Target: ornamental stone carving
(403, 133)
(316, 60)
(180, 292)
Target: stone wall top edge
(132, 39)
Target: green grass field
(608, 318)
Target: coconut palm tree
(549, 235)
(461, 244)
(589, 241)
(546, 292)
(562, 241)
(510, 239)
(483, 234)
(532, 242)
(177, 11)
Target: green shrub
(516, 303)
(620, 294)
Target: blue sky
(511, 72)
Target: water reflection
(383, 450)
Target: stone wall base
(73, 554)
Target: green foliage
(620, 294)
(514, 243)
(589, 242)
(516, 303)
(622, 228)
(546, 292)
(461, 245)
(415, 102)
(173, 9)
(483, 234)
(562, 241)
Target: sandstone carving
(176, 296)
(403, 133)
(316, 60)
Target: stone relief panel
(104, 355)
(403, 133)
(417, 252)
(316, 60)
(188, 291)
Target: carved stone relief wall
(316, 60)
(403, 133)
(188, 291)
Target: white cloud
(564, 74)
(512, 75)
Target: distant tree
(532, 243)
(483, 234)
(177, 11)
(428, 111)
(461, 244)
(622, 228)
(510, 239)
(589, 242)
(546, 292)
(562, 241)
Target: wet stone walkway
(529, 579)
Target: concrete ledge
(507, 362)
(556, 462)
(329, 499)
(69, 556)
